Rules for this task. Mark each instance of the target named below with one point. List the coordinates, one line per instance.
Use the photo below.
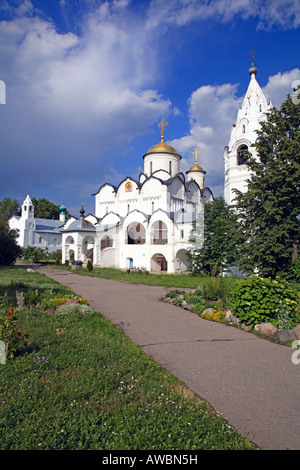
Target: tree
(9, 249)
(8, 207)
(269, 209)
(220, 241)
(44, 209)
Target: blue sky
(87, 83)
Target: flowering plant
(8, 331)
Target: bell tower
(27, 208)
(252, 111)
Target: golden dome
(196, 168)
(162, 147)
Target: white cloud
(269, 13)
(72, 98)
(212, 111)
(280, 85)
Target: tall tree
(44, 209)
(219, 242)
(269, 209)
(9, 249)
(8, 207)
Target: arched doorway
(69, 249)
(181, 261)
(106, 242)
(88, 247)
(159, 263)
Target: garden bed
(275, 314)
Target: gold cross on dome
(252, 55)
(196, 153)
(163, 124)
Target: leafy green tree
(34, 253)
(8, 207)
(44, 209)
(269, 209)
(220, 240)
(9, 249)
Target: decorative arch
(106, 242)
(159, 263)
(88, 243)
(159, 233)
(69, 248)
(241, 154)
(135, 234)
(181, 260)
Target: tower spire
(253, 69)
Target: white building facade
(251, 113)
(144, 224)
(36, 232)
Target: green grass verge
(169, 280)
(95, 389)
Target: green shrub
(174, 293)
(256, 300)
(200, 307)
(195, 298)
(89, 266)
(294, 274)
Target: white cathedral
(146, 224)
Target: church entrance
(88, 248)
(159, 263)
(181, 261)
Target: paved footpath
(249, 381)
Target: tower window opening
(242, 155)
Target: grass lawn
(169, 280)
(92, 388)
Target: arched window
(159, 233)
(242, 154)
(170, 168)
(136, 234)
(128, 187)
(106, 242)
